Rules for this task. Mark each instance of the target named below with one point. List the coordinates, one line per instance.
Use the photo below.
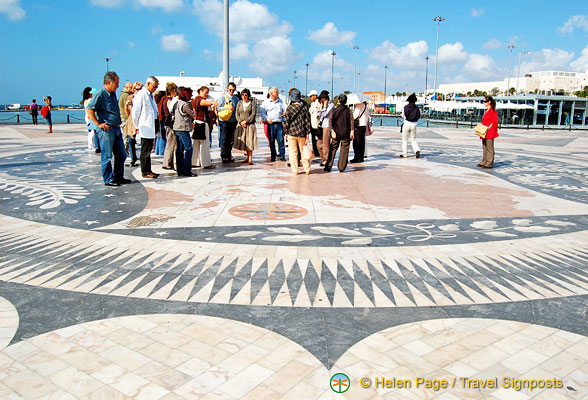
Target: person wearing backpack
(227, 121)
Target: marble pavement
(248, 282)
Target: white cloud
(452, 53)
(12, 9)
(175, 43)
(410, 56)
(240, 51)
(249, 21)
(131, 44)
(581, 64)
(477, 12)
(492, 44)
(329, 35)
(576, 21)
(273, 55)
(546, 59)
(480, 67)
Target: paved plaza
(247, 282)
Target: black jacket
(412, 112)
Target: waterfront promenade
(249, 283)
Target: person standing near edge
(228, 101)
(122, 100)
(145, 118)
(46, 112)
(103, 111)
(35, 112)
(411, 115)
(490, 119)
(272, 111)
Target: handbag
(307, 153)
(199, 132)
(225, 115)
(481, 130)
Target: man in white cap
(314, 120)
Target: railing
(19, 118)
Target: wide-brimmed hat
(294, 95)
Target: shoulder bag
(225, 115)
(481, 130)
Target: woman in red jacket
(490, 119)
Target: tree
(512, 91)
(582, 93)
(495, 91)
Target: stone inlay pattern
(8, 322)
(314, 282)
(480, 349)
(187, 357)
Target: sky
(59, 47)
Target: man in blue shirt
(227, 128)
(272, 111)
(104, 112)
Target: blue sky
(58, 47)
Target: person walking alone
(411, 115)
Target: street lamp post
(426, 78)
(355, 47)
(294, 78)
(385, 81)
(226, 45)
(519, 73)
(510, 47)
(107, 59)
(306, 80)
(437, 19)
(358, 81)
(333, 54)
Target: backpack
(44, 111)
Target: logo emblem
(340, 383)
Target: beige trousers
(295, 145)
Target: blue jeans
(227, 131)
(184, 152)
(111, 143)
(275, 132)
(160, 145)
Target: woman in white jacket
(145, 118)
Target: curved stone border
(8, 322)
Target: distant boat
(13, 107)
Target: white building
(545, 82)
(215, 84)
